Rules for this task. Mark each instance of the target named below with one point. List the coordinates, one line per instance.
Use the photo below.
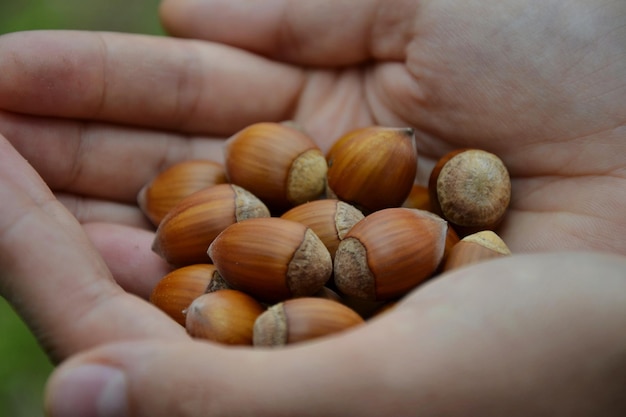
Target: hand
(530, 86)
(525, 335)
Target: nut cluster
(284, 244)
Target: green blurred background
(23, 366)
(138, 16)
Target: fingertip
(155, 378)
(169, 378)
(248, 25)
(87, 390)
(169, 14)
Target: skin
(88, 118)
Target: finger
(52, 275)
(128, 255)
(323, 32)
(99, 160)
(496, 338)
(143, 81)
(89, 211)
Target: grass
(24, 367)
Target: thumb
(143, 379)
(519, 336)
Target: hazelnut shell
(389, 253)
(373, 168)
(272, 259)
(301, 319)
(186, 232)
(224, 316)
(330, 219)
(175, 291)
(279, 164)
(164, 191)
(477, 247)
(470, 188)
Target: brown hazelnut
(277, 163)
(373, 168)
(301, 319)
(176, 290)
(389, 253)
(471, 189)
(224, 316)
(474, 248)
(173, 184)
(185, 233)
(330, 219)
(418, 198)
(272, 259)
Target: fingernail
(88, 391)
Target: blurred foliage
(24, 367)
(138, 16)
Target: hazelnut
(279, 164)
(330, 219)
(418, 198)
(271, 259)
(176, 290)
(301, 319)
(474, 248)
(178, 181)
(471, 189)
(389, 253)
(373, 168)
(224, 316)
(186, 232)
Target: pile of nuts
(283, 244)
